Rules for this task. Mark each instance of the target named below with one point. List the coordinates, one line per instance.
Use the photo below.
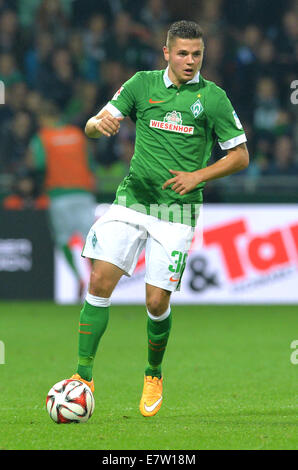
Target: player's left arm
(231, 137)
(182, 182)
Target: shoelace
(151, 383)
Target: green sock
(158, 333)
(93, 323)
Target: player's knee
(157, 304)
(100, 285)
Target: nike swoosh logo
(151, 101)
(174, 280)
(152, 407)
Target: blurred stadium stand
(78, 52)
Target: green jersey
(176, 128)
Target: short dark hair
(184, 29)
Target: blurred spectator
(286, 43)
(94, 38)
(113, 75)
(153, 15)
(18, 98)
(284, 123)
(94, 46)
(246, 65)
(10, 35)
(58, 84)
(266, 60)
(266, 105)
(60, 157)
(210, 17)
(287, 38)
(50, 16)
(84, 103)
(15, 137)
(24, 194)
(124, 46)
(262, 156)
(85, 66)
(15, 96)
(28, 9)
(33, 102)
(250, 43)
(214, 56)
(9, 72)
(283, 163)
(37, 58)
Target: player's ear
(166, 53)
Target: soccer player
(179, 117)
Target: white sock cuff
(98, 301)
(161, 317)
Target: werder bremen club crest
(197, 108)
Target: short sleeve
(227, 125)
(125, 98)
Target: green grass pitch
(229, 382)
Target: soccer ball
(70, 401)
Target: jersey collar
(168, 82)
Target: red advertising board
(240, 254)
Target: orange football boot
(152, 396)
(90, 384)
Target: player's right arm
(107, 121)
(104, 123)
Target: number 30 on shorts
(179, 262)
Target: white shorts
(120, 235)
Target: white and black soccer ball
(70, 401)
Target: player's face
(184, 57)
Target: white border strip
(229, 144)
